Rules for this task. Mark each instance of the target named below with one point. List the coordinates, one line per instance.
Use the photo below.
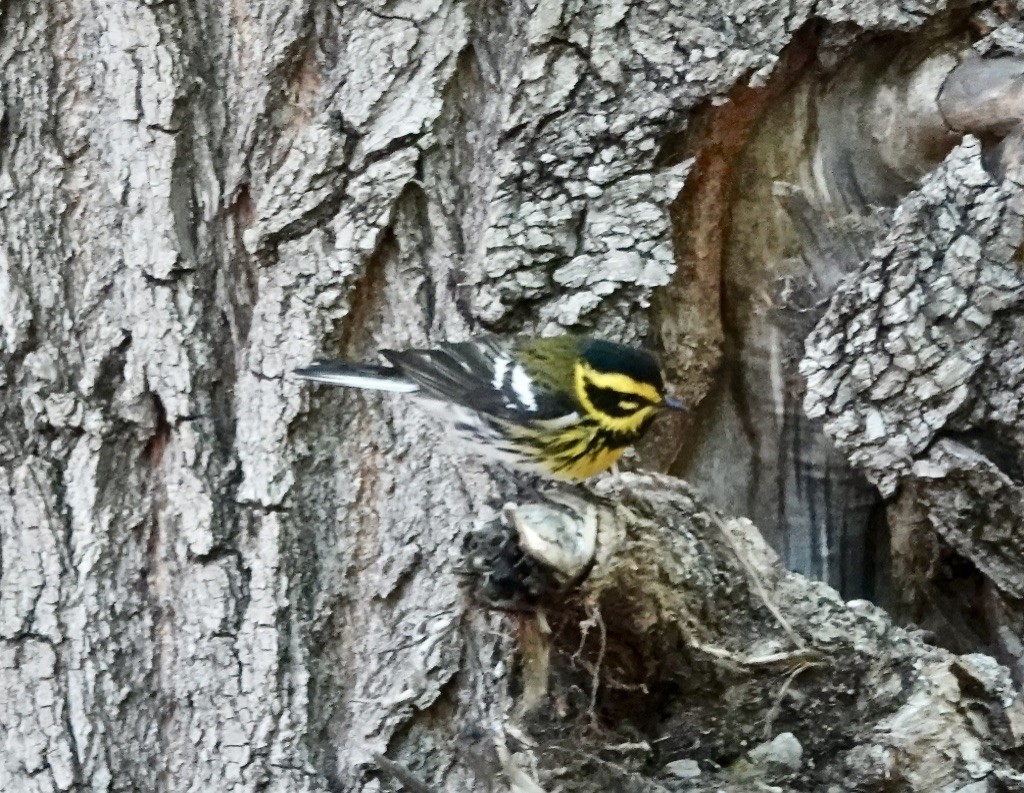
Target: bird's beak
(674, 404)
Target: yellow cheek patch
(615, 381)
(624, 425)
(621, 384)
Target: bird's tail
(358, 375)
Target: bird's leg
(515, 486)
(550, 491)
(506, 483)
(530, 488)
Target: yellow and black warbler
(565, 406)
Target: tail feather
(358, 375)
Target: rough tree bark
(215, 578)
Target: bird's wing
(484, 375)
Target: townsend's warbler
(566, 406)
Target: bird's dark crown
(607, 356)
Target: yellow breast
(586, 466)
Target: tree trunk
(213, 577)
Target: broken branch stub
(685, 623)
(984, 95)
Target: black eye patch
(615, 403)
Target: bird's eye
(628, 404)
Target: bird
(563, 407)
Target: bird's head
(622, 388)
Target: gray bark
(214, 578)
(915, 368)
